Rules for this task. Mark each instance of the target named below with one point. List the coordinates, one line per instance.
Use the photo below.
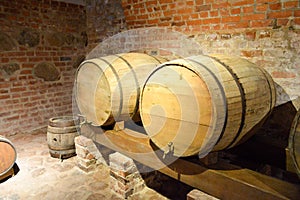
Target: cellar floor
(42, 177)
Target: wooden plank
(225, 182)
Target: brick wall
(104, 19)
(40, 41)
(267, 32)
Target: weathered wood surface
(223, 181)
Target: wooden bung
(204, 103)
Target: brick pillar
(88, 155)
(125, 179)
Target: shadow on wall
(279, 123)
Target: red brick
(194, 22)
(280, 14)
(203, 8)
(250, 35)
(151, 3)
(166, 1)
(214, 13)
(242, 3)
(252, 53)
(248, 9)
(237, 25)
(224, 5)
(261, 23)
(203, 14)
(297, 21)
(275, 6)
(283, 74)
(231, 19)
(6, 96)
(152, 21)
(211, 21)
(4, 60)
(177, 18)
(282, 22)
(182, 23)
(254, 17)
(235, 11)
(266, 1)
(5, 85)
(297, 13)
(224, 12)
(291, 4)
(262, 7)
(194, 16)
(185, 17)
(18, 89)
(185, 11)
(199, 2)
(190, 3)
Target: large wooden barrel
(107, 89)
(294, 142)
(61, 133)
(8, 155)
(204, 103)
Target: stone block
(199, 195)
(83, 141)
(118, 161)
(46, 71)
(125, 174)
(125, 178)
(86, 162)
(81, 151)
(87, 169)
(29, 37)
(6, 42)
(124, 191)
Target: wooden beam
(224, 181)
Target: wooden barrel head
(93, 92)
(108, 88)
(7, 155)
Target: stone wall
(267, 32)
(40, 42)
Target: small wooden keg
(61, 133)
(8, 156)
(204, 103)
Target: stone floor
(43, 177)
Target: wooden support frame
(223, 181)
(9, 173)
